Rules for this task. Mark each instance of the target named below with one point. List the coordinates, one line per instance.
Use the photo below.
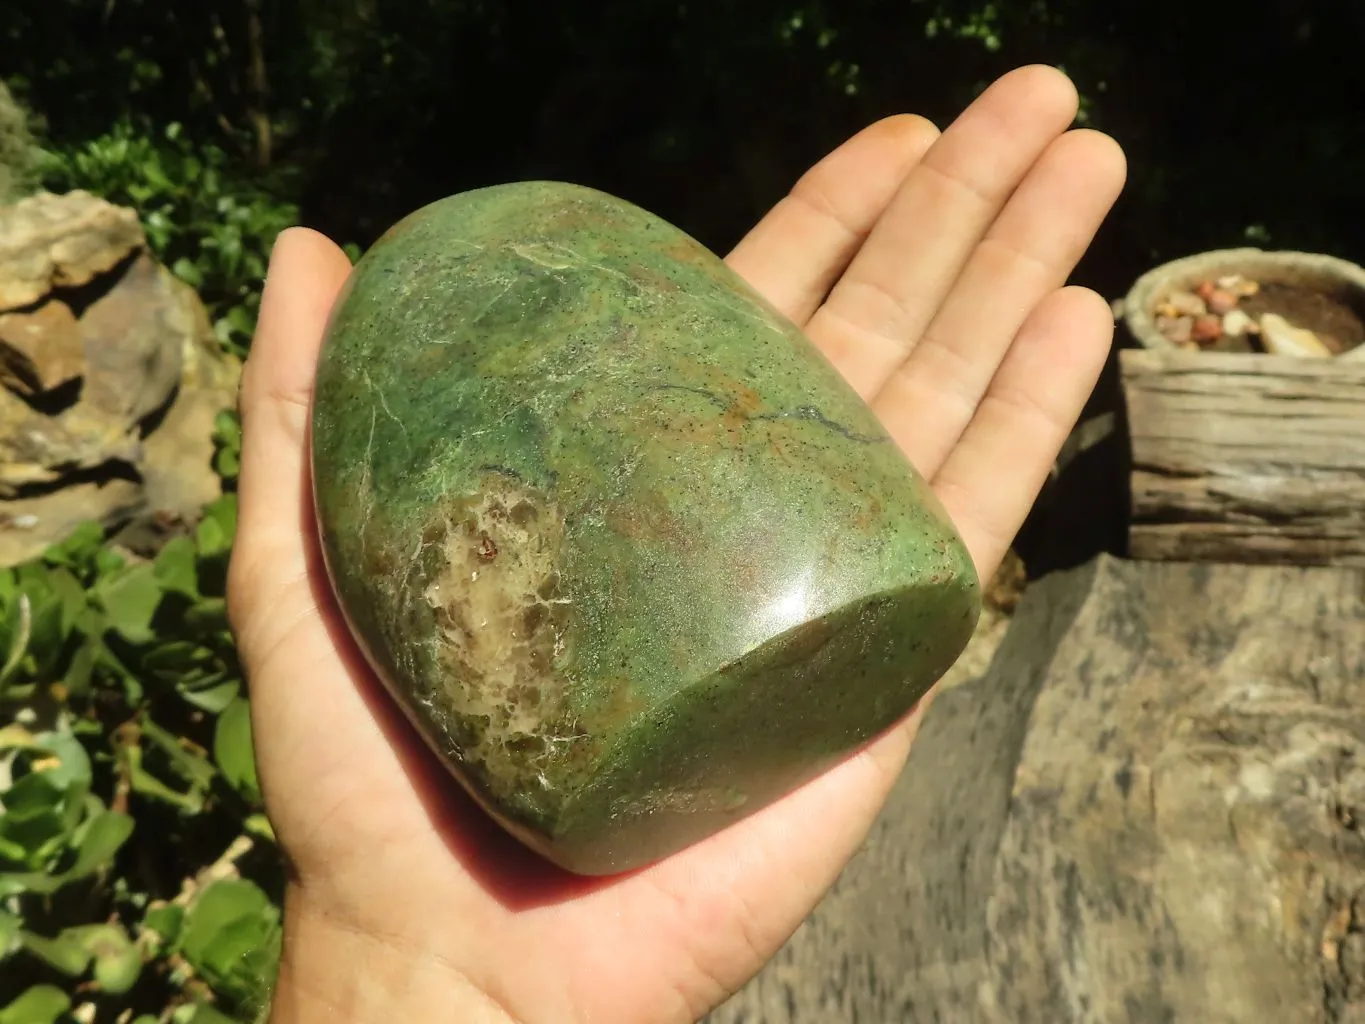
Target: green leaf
(111, 663)
(200, 1013)
(81, 668)
(31, 794)
(130, 600)
(10, 926)
(104, 834)
(145, 783)
(175, 659)
(39, 836)
(17, 626)
(108, 562)
(71, 594)
(118, 962)
(227, 463)
(210, 936)
(227, 427)
(65, 952)
(185, 758)
(241, 320)
(97, 840)
(163, 921)
(232, 749)
(184, 269)
(46, 635)
(78, 551)
(215, 531)
(41, 1004)
(34, 828)
(176, 569)
(74, 767)
(13, 852)
(207, 616)
(213, 697)
(231, 938)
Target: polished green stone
(622, 543)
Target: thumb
(274, 543)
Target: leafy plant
(18, 153)
(208, 217)
(227, 445)
(138, 876)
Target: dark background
(1241, 122)
(1236, 118)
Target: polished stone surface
(626, 548)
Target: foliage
(212, 224)
(706, 111)
(18, 153)
(137, 872)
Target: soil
(1185, 318)
(1337, 324)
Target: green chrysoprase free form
(622, 543)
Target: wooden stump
(1149, 809)
(1246, 458)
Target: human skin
(930, 268)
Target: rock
(1280, 337)
(1325, 287)
(135, 335)
(624, 545)
(1207, 329)
(109, 390)
(49, 241)
(39, 449)
(1148, 809)
(1238, 323)
(177, 457)
(1221, 302)
(41, 349)
(132, 340)
(1239, 286)
(1179, 329)
(29, 526)
(1180, 303)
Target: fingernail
(281, 246)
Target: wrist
(334, 973)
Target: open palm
(929, 268)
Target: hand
(929, 268)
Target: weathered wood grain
(1150, 809)
(1246, 458)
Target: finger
(797, 252)
(901, 276)
(989, 482)
(1027, 254)
(306, 273)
